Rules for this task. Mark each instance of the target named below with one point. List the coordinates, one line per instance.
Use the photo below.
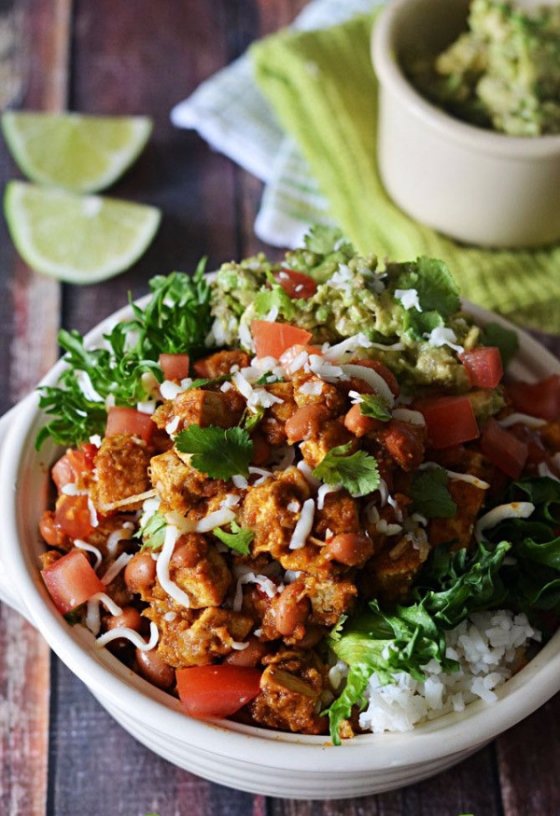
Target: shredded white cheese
(71, 489)
(119, 535)
(348, 346)
(408, 298)
(240, 482)
(95, 439)
(323, 491)
(501, 513)
(412, 417)
(307, 472)
(265, 584)
(83, 545)
(544, 470)
(170, 617)
(140, 497)
(172, 534)
(303, 526)
(129, 634)
(311, 388)
(443, 336)
(172, 425)
(326, 371)
(93, 618)
(86, 387)
(386, 528)
(238, 645)
(169, 389)
(147, 407)
(264, 475)
(522, 419)
(93, 520)
(372, 378)
(216, 519)
(117, 565)
(459, 477)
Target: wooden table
(60, 752)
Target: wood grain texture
(29, 331)
(143, 57)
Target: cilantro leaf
(437, 288)
(323, 240)
(505, 339)
(430, 494)
(273, 298)
(239, 539)
(153, 532)
(372, 405)
(357, 472)
(218, 452)
(202, 382)
(251, 419)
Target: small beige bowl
(474, 185)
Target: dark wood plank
(29, 314)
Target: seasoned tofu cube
(330, 598)
(204, 408)
(198, 638)
(291, 687)
(121, 467)
(199, 570)
(180, 486)
(220, 363)
(271, 511)
(332, 434)
(458, 529)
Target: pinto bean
(140, 572)
(351, 549)
(261, 450)
(155, 669)
(291, 609)
(189, 550)
(51, 531)
(358, 424)
(249, 657)
(306, 422)
(130, 618)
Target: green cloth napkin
(322, 87)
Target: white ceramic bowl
(474, 185)
(251, 759)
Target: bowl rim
(442, 737)
(391, 77)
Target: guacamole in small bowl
(502, 73)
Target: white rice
(486, 646)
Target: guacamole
(503, 73)
(411, 312)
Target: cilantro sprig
(218, 452)
(176, 320)
(374, 406)
(153, 532)
(357, 472)
(238, 539)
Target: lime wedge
(76, 152)
(78, 239)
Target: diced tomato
(73, 464)
(503, 449)
(483, 366)
(71, 581)
(296, 284)
(272, 339)
(174, 366)
(540, 399)
(449, 421)
(129, 421)
(73, 517)
(216, 691)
